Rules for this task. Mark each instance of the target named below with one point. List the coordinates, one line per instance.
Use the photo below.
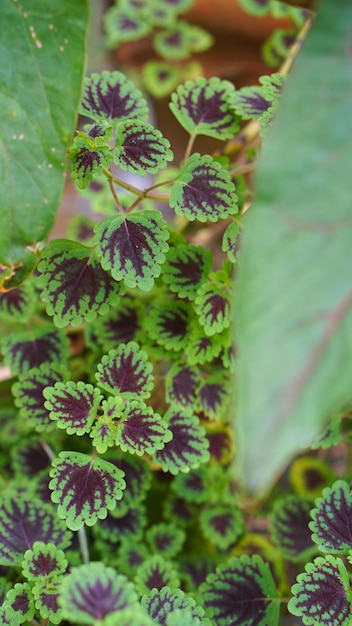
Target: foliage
(130, 492)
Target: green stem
(189, 146)
(141, 193)
(83, 544)
(47, 449)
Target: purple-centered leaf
(20, 599)
(27, 350)
(159, 604)
(186, 268)
(212, 306)
(114, 528)
(89, 156)
(72, 405)
(203, 191)
(214, 395)
(93, 591)
(75, 286)
(193, 486)
(29, 457)
(332, 519)
(230, 241)
(188, 447)
(28, 393)
(110, 97)
(242, 593)
(289, 527)
(202, 348)
(175, 42)
(120, 325)
(255, 7)
(322, 595)
(137, 477)
(142, 431)
(222, 525)
(160, 78)
(46, 595)
(44, 560)
(165, 539)
(126, 371)
(156, 573)
(18, 304)
(140, 148)
(203, 107)
(168, 324)
(221, 444)
(84, 488)
(123, 24)
(133, 248)
(23, 521)
(250, 102)
(181, 384)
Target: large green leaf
(42, 46)
(293, 296)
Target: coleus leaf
(75, 286)
(193, 486)
(29, 457)
(159, 604)
(203, 190)
(332, 519)
(177, 510)
(165, 539)
(322, 595)
(104, 430)
(84, 488)
(289, 527)
(133, 248)
(203, 107)
(18, 304)
(156, 573)
(28, 394)
(20, 599)
(110, 98)
(255, 7)
(72, 405)
(28, 350)
(46, 596)
(214, 395)
(181, 384)
(137, 477)
(188, 447)
(44, 560)
(242, 593)
(212, 305)
(114, 528)
(23, 521)
(120, 325)
(131, 555)
(89, 156)
(203, 348)
(126, 371)
(123, 24)
(160, 78)
(91, 592)
(168, 323)
(222, 525)
(230, 241)
(129, 617)
(221, 444)
(186, 268)
(140, 148)
(141, 430)
(175, 42)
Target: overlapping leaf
(46, 596)
(18, 304)
(242, 593)
(181, 384)
(91, 592)
(75, 286)
(230, 241)
(332, 519)
(180, 39)
(44, 560)
(212, 306)
(137, 478)
(222, 525)
(186, 268)
(84, 488)
(203, 190)
(165, 539)
(29, 457)
(27, 350)
(194, 486)
(203, 107)
(214, 395)
(188, 446)
(289, 527)
(89, 156)
(133, 248)
(120, 325)
(105, 427)
(28, 394)
(168, 324)
(20, 599)
(202, 348)
(72, 405)
(322, 595)
(142, 431)
(156, 573)
(110, 98)
(159, 604)
(23, 521)
(126, 371)
(140, 148)
(122, 524)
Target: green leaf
(293, 293)
(168, 324)
(203, 190)
(222, 525)
(123, 24)
(159, 604)
(42, 51)
(18, 304)
(155, 573)
(126, 371)
(75, 286)
(84, 488)
(322, 595)
(31, 349)
(20, 598)
(332, 519)
(186, 268)
(132, 248)
(140, 148)
(46, 595)
(44, 560)
(142, 430)
(72, 405)
(89, 156)
(203, 107)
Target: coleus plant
(119, 504)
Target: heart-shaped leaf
(142, 431)
(110, 98)
(332, 519)
(126, 371)
(188, 446)
(93, 591)
(203, 107)
(84, 488)
(23, 521)
(133, 248)
(322, 595)
(140, 148)
(75, 286)
(203, 190)
(27, 350)
(242, 593)
(72, 405)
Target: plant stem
(47, 449)
(189, 147)
(141, 193)
(83, 544)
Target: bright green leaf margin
(294, 296)
(42, 51)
